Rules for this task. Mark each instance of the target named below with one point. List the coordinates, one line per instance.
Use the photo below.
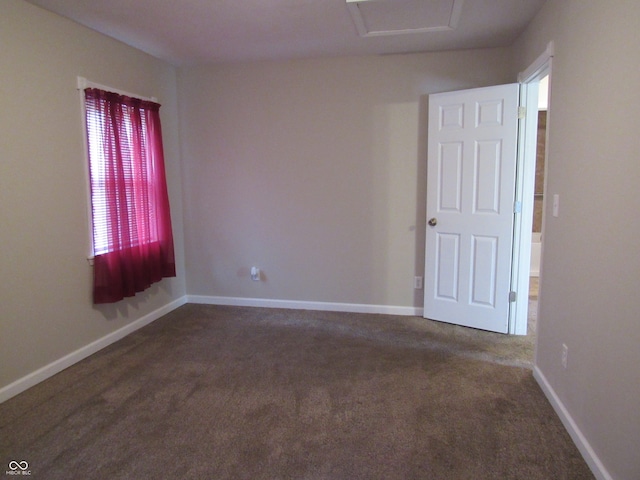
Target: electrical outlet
(255, 274)
(565, 355)
(417, 283)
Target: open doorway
(537, 236)
(528, 235)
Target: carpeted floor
(248, 393)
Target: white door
(471, 170)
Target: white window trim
(82, 84)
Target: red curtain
(133, 242)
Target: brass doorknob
(433, 222)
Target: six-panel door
(470, 197)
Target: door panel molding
(471, 169)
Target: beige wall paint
(590, 274)
(314, 171)
(45, 295)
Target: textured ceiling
(190, 32)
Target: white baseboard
(589, 455)
(57, 366)
(305, 305)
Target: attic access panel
(394, 17)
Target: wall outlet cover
(255, 274)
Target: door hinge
(517, 207)
(522, 112)
(512, 297)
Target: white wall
(46, 310)
(591, 267)
(314, 171)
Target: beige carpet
(249, 393)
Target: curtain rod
(84, 83)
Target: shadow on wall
(421, 197)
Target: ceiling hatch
(395, 17)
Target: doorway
(530, 195)
(462, 265)
(537, 236)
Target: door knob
(433, 222)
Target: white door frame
(525, 183)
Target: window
(134, 175)
(131, 223)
